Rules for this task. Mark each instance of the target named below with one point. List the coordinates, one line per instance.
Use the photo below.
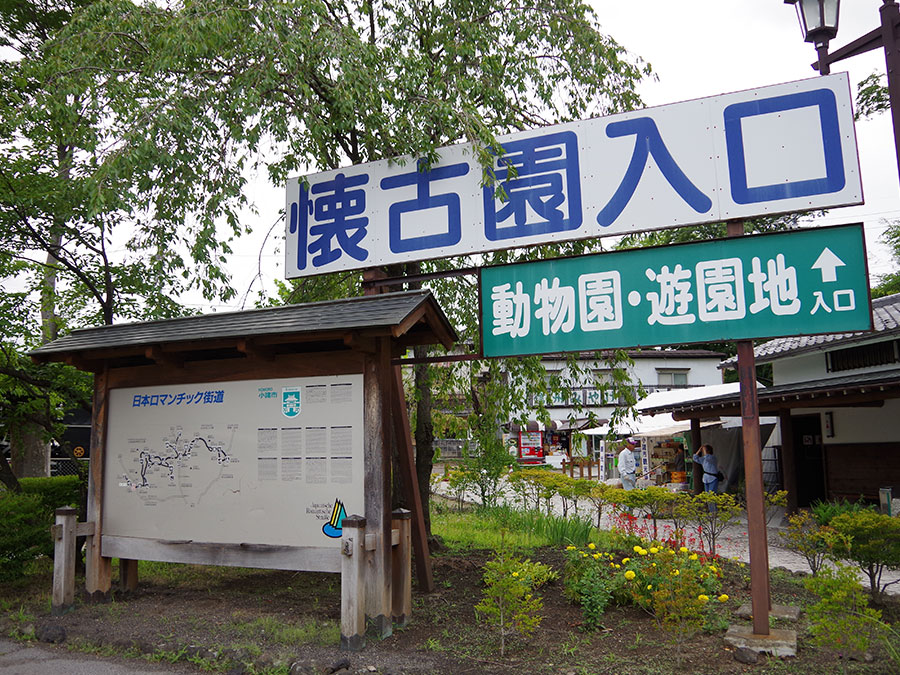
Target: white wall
(862, 425)
(700, 371)
(812, 366)
(801, 368)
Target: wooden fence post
(64, 560)
(353, 584)
(401, 566)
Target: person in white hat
(627, 465)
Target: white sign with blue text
(783, 148)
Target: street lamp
(819, 21)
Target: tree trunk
(7, 477)
(424, 435)
(30, 454)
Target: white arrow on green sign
(770, 285)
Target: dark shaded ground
(253, 621)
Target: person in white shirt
(627, 465)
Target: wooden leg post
(98, 569)
(64, 560)
(377, 486)
(353, 584)
(401, 568)
(128, 574)
(407, 466)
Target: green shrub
(825, 512)
(709, 512)
(874, 544)
(677, 586)
(816, 543)
(24, 532)
(54, 492)
(509, 603)
(841, 619)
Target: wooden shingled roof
(410, 318)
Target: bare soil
(235, 621)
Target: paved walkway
(22, 658)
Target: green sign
(801, 282)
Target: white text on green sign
(790, 283)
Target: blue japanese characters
(771, 150)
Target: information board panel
(800, 282)
(273, 462)
(776, 149)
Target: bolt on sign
(777, 149)
(800, 282)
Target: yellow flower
(583, 554)
(712, 568)
(653, 549)
(723, 598)
(643, 551)
(649, 587)
(703, 598)
(654, 564)
(693, 556)
(515, 574)
(636, 549)
(592, 546)
(596, 556)
(629, 575)
(675, 573)
(618, 566)
(625, 560)
(570, 548)
(683, 549)
(612, 564)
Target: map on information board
(275, 461)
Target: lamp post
(819, 24)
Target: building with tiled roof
(838, 400)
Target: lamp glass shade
(818, 19)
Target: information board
(777, 149)
(276, 462)
(800, 282)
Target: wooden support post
(353, 583)
(128, 574)
(590, 469)
(788, 459)
(401, 568)
(407, 464)
(377, 486)
(696, 469)
(756, 507)
(98, 570)
(64, 560)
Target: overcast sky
(706, 47)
